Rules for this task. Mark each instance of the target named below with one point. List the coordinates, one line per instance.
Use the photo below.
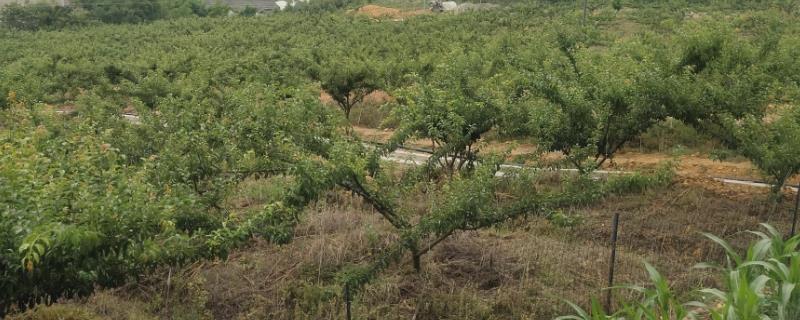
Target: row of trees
(589, 105)
(86, 12)
(91, 199)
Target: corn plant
(596, 312)
(659, 302)
(761, 284)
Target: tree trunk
(416, 257)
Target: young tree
(218, 9)
(771, 143)
(453, 108)
(731, 81)
(606, 100)
(347, 82)
(248, 12)
(450, 108)
(616, 5)
(182, 8)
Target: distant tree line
(47, 16)
(85, 12)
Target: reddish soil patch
(376, 12)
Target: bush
(671, 133)
(218, 10)
(182, 8)
(86, 221)
(637, 182)
(102, 202)
(248, 12)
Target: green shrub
(32, 17)
(218, 10)
(182, 8)
(248, 12)
(85, 205)
(562, 220)
(40, 16)
(638, 182)
(122, 11)
(669, 134)
(616, 5)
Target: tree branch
(382, 206)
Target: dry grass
(522, 270)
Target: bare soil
(377, 12)
(695, 166)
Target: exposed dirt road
(728, 177)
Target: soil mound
(376, 12)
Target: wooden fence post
(614, 228)
(347, 301)
(794, 218)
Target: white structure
(475, 6)
(439, 6)
(449, 5)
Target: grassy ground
(522, 270)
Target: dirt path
(693, 168)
